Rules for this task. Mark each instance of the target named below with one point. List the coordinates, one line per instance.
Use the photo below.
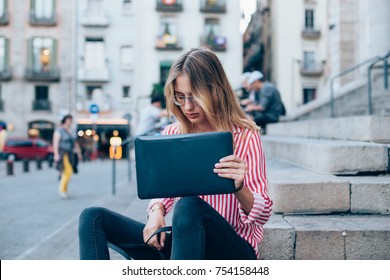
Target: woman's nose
(188, 104)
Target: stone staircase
(330, 183)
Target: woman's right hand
(156, 220)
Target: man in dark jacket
(266, 106)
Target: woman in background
(64, 147)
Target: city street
(36, 224)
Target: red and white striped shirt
(250, 227)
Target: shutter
(30, 56)
(53, 62)
(6, 52)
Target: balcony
(311, 33)
(5, 74)
(4, 18)
(169, 6)
(1, 106)
(315, 70)
(43, 75)
(213, 6)
(40, 21)
(41, 105)
(168, 43)
(217, 43)
(95, 19)
(93, 75)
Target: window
(42, 12)
(44, 9)
(42, 54)
(3, 54)
(2, 7)
(126, 5)
(127, 57)
(95, 6)
(168, 34)
(93, 91)
(165, 66)
(309, 94)
(41, 101)
(126, 91)
(94, 50)
(212, 35)
(41, 93)
(211, 30)
(309, 19)
(3, 12)
(309, 62)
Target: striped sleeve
(255, 180)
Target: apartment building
(101, 59)
(126, 48)
(306, 42)
(171, 27)
(35, 64)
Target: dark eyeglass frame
(191, 99)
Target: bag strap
(160, 230)
(163, 229)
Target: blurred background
(102, 60)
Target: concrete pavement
(36, 224)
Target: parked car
(28, 148)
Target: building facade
(35, 64)
(171, 27)
(307, 42)
(101, 59)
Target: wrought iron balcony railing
(5, 74)
(41, 105)
(49, 75)
(41, 21)
(213, 6)
(169, 5)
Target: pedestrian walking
(65, 150)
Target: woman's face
(68, 122)
(190, 108)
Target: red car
(28, 148)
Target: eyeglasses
(180, 99)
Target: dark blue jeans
(199, 232)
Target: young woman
(228, 226)
(63, 148)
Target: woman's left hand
(231, 167)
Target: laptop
(181, 165)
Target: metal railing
(371, 62)
(385, 78)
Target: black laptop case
(181, 165)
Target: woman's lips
(192, 115)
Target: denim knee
(88, 217)
(187, 210)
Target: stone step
(329, 237)
(329, 156)
(369, 195)
(362, 128)
(295, 190)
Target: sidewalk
(36, 224)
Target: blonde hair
(210, 89)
